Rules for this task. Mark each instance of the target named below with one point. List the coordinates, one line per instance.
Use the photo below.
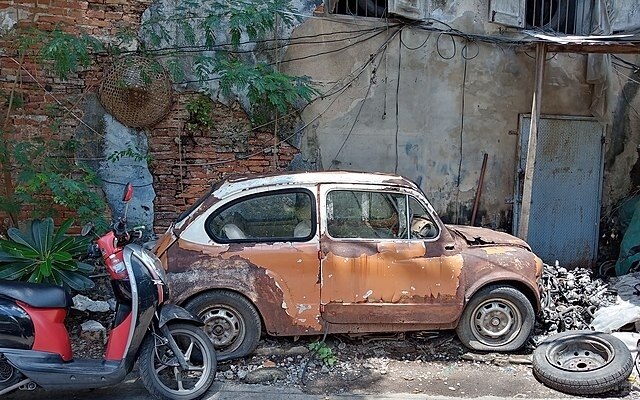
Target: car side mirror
(86, 229)
(128, 192)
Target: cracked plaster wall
(117, 173)
(498, 87)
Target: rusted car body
(360, 266)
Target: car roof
(233, 184)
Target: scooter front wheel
(161, 373)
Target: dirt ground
(429, 363)
(432, 363)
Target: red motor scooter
(176, 358)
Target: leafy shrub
(39, 254)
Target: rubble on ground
(570, 299)
(83, 303)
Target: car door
(275, 230)
(386, 258)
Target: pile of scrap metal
(570, 299)
(584, 353)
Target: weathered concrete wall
(438, 142)
(622, 161)
(434, 129)
(626, 15)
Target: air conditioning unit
(508, 12)
(412, 9)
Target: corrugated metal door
(565, 206)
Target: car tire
(497, 318)
(582, 362)
(231, 322)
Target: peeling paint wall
(450, 109)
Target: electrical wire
(622, 91)
(360, 70)
(465, 49)
(628, 64)
(395, 169)
(453, 42)
(417, 47)
(297, 41)
(462, 102)
(216, 78)
(366, 96)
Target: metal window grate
(359, 8)
(573, 17)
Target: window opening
(562, 16)
(422, 224)
(361, 8)
(366, 215)
(282, 216)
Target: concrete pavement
(133, 390)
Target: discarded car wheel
(231, 322)
(498, 318)
(582, 362)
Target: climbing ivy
(39, 174)
(208, 57)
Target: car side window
(366, 214)
(421, 222)
(278, 216)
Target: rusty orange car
(344, 252)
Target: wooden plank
(525, 210)
(602, 48)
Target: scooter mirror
(86, 229)
(128, 192)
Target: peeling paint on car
(348, 285)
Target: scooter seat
(38, 295)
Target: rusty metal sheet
(280, 279)
(372, 282)
(482, 236)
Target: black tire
(161, 380)
(231, 322)
(497, 318)
(582, 362)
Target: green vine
(199, 108)
(268, 90)
(47, 175)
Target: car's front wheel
(497, 318)
(231, 322)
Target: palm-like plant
(41, 255)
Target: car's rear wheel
(231, 322)
(498, 318)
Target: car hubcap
(580, 353)
(496, 322)
(224, 326)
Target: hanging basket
(136, 91)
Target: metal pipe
(14, 387)
(476, 202)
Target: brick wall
(184, 162)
